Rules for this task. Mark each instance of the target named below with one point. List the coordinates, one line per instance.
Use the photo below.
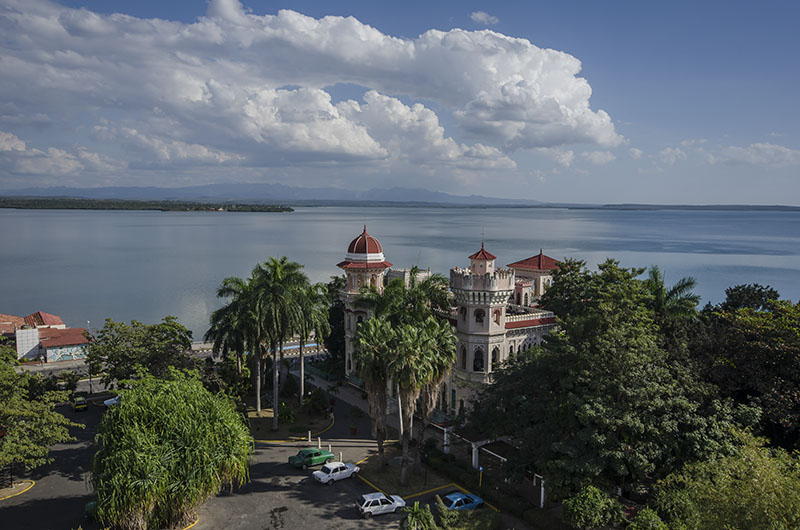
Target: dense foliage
(592, 508)
(167, 447)
(125, 350)
(29, 425)
(755, 488)
(600, 401)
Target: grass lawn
(388, 478)
(261, 425)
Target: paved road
(277, 497)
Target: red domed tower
(364, 266)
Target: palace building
(494, 311)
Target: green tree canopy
(125, 350)
(755, 488)
(752, 295)
(600, 401)
(29, 425)
(167, 447)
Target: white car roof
(373, 496)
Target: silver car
(333, 471)
(376, 503)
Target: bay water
(87, 265)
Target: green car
(310, 457)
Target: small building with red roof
(54, 344)
(534, 276)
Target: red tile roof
(52, 337)
(539, 262)
(530, 323)
(364, 265)
(483, 254)
(40, 318)
(365, 244)
(9, 324)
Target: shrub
(286, 413)
(315, 402)
(290, 388)
(592, 508)
(69, 380)
(647, 519)
(167, 447)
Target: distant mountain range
(291, 195)
(267, 193)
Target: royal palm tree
(314, 321)
(410, 370)
(373, 347)
(279, 284)
(440, 356)
(239, 325)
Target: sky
(679, 102)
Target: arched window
(463, 312)
(359, 321)
(477, 361)
(463, 364)
(526, 298)
(511, 349)
(519, 297)
(479, 315)
(495, 357)
(349, 365)
(497, 314)
(373, 281)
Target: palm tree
(373, 347)
(411, 370)
(279, 284)
(239, 324)
(314, 322)
(419, 518)
(440, 357)
(677, 302)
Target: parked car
(310, 457)
(333, 471)
(112, 401)
(377, 503)
(462, 501)
(79, 404)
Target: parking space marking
(370, 484)
(194, 523)
(467, 492)
(431, 490)
(298, 438)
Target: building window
(349, 365)
(477, 361)
(526, 298)
(511, 349)
(479, 315)
(463, 358)
(495, 356)
(497, 314)
(463, 312)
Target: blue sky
(668, 102)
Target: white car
(378, 503)
(113, 401)
(333, 471)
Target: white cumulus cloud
(599, 158)
(758, 154)
(248, 90)
(482, 17)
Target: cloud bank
(238, 90)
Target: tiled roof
(483, 254)
(539, 262)
(10, 323)
(365, 244)
(530, 323)
(52, 337)
(364, 265)
(40, 318)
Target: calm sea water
(89, 265)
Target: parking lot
(277, 496)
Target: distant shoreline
(69, 203)
(231, 205)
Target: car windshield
(361, 500)
(327, 470)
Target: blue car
(461, 501)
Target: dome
(365, 244)
(364, 252)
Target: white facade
(27, 343)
